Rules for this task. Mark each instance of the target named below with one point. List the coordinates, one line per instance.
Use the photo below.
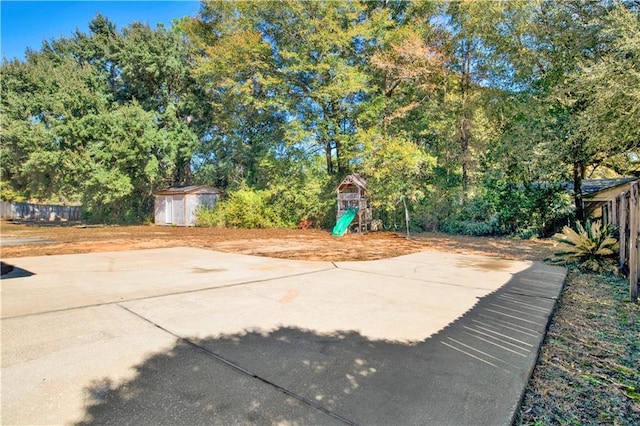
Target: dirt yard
(20, 240)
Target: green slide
(344, 222)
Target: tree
(555, 102)
(396, 171)
(291, 64)
(610, 86)
(39, 98)
(100, 118)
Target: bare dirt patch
(309, 244)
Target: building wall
(169, 210)
(194, 202)
(181, 209)
(594, 204)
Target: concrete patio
(191, 336)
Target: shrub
(528, 210)
(7, 193)
(245, 208)
(477, 218)
(210, 217)
(474, 228)
(592, 247)
(312, 202)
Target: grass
(588, 371)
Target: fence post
(634, 246)
(624, 208)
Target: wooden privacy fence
(624, 211)
(44, 212)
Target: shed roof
(593, 186)
(353, 179)
(203, 189)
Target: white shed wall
(181, 209)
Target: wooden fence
(42, 212)
(624, 211)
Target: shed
(352, 193)
(178, 205)
(596, 193)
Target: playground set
(354, 211)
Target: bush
(7, 193)
(529, 210)
(433, 211)
(245, 208)
(210, 217)
(312, 202)
(592, 247)
(472, 227)
(477, 218)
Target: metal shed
(178, 205)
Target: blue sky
(28, 23)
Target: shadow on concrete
(15, 272)
(473, 372)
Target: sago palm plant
(592, 247)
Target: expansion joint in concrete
(242, 370)
(197, 290)
(411, 278)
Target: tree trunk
(406, 213)
(578, 171)
(342, 168)
(327, 153)
(183, 174)
(465, 117)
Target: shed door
(168, 209)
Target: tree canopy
(453, 106)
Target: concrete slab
(68, 367)
(444, 268)
(389, 367)
(377, 307)
(50, 362)
(185, 386)
(258, 340)
(78, 280)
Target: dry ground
(588, 368)
(310, 244)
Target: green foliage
(528, 210)
(265, 61)
(456, 110)
(396, 171)
(7, 193)
(611, 87)
(99, 118)
(477, 218)
(210, 217)
(245, 208)
(592, 247)
(499, 209)
(311, 200)
(395, 168)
